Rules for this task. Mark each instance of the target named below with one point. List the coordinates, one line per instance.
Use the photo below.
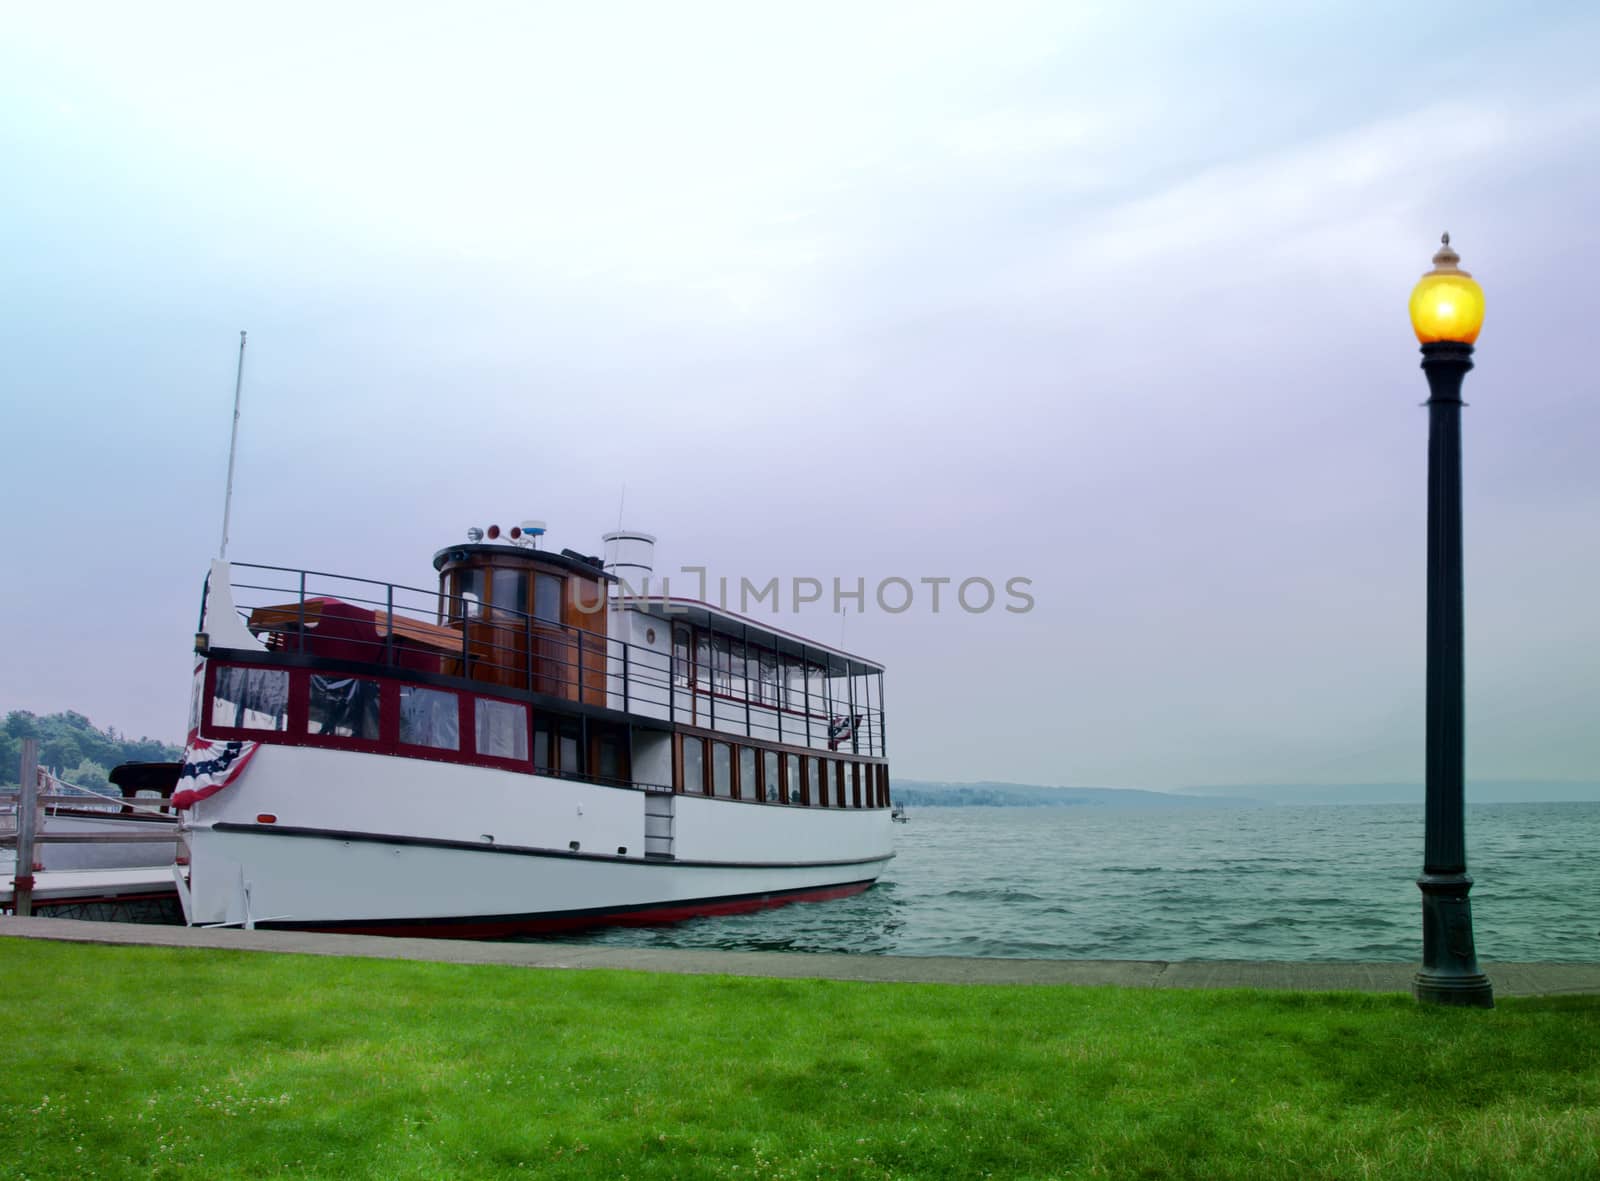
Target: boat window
(680, 656)
(794, 684)
(571, 763)
(343, 707)
(694, 765)
(466, 600)
(196, 692)
(819, 790)
(721, 769)
(816, 685)
(429, 717)
(769, 776)
(500, 729)
(251, 698)
(722, 664)
(767, 687)
(792, 767)
(510, 595)
(541, 745)
(608, 751)
(747, 774)
(751, 671)
(838, 783)
(547, 598)
(855, 784)
(702, 660)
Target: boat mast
(233, 443)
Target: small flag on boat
(842, 729)
(208, 767)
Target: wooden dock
(125, 894)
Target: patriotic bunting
(208, 767)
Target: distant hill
(75, 748)
(918, 793)
(932, 794)
(1480, 791)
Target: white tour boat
(535, 745)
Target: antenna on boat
(233, 443)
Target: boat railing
(404, 628)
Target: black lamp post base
(1450, 974)
(1469, 992)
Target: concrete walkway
(1508, 979)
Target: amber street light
(1446, 311)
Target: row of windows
(351, 708)
(354, 709)
(733, 771)
(508, 597)
(720, 664)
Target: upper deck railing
(412, 630)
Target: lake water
(1273, 883)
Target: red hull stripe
(649, 914)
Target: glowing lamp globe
(1447, 303)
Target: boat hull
(475, 852)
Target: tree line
(75, 749)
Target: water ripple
(1289, 883)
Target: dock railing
(29, 803)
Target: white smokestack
(631, 556)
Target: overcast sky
(1112, 299)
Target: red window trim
(388, 741)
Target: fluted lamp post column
(1446, 312)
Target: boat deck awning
(726, 623)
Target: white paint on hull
(722, 848)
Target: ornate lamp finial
(1445, 259)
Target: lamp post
(1446, 312)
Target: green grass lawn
(138, 1062)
